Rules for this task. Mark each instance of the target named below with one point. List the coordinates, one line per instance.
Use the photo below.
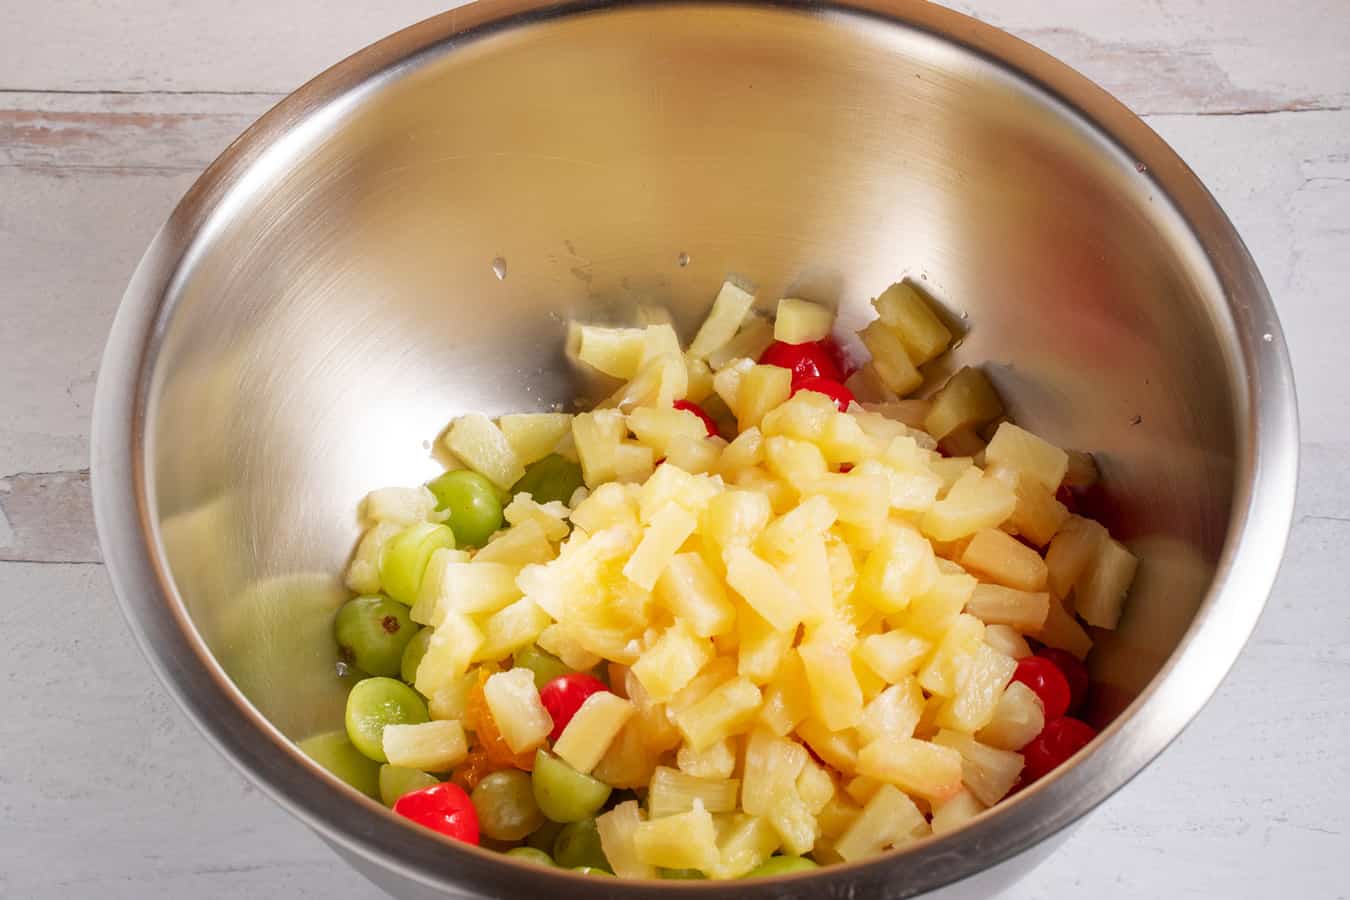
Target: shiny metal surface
(324, 301)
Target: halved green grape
(552, 478)
(563, 793)
(680, 874)
(781, 865)
(474, 507)
(375, 703)
(543, 837)
(506, 807)
(395, 781)
(372, 633)
(335, 752)
(404, 559)
(578, 845)
(413, 653)
(543, 664)
(591, 870)
(532, 855)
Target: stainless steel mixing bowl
(327, 297)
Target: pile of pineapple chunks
(810, 629)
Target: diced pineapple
(962, 442)
(471, 588)
(787, 699)
(949, 470)
(728, 709)
(952, 814)
(1062, 631)
(837, 748)
(363, 572)
(661, 540)
(513, 700)
(750, 342)
(452, 646)
(744, 842)
(696, 455)
(593, 728)
(453, 698)
(867, 386)
(932, 614)
(761, 389)
(618, 830)
(700, 377)
(745, 451)
(805, 417)
(1023, 451)
(659, 339)
(562, 643)
(994, 604)
(781, 495)
(684, 841)
(1038, 515)
(836, 697)
(843, 568)
(660, 382)
(772, 765)
(724, 320)
(808, 568)
(900, 568)
(974, 502)
(989, 773)
(1018, 717)
(534, 435)
(477, 441)
(890, 359)
(727, 382)
(717, 673)
(797, 462)
(400, 505)
(425, 609)
(552, 516)
(863, 788)
(633, 463)
(517, 546)
(614, 351)
(815, 787)
(673, 661)
(979, 689)
(793, 821)
(998, 557)
(890, 819)
(1006, 640)
(785, 536)
(672, 792)
(598, 435)
(860, 498)
(801, 321)
(511, 629)
(893, 713)
(835, 818)
(430, 746)
(894, 655)
(629, 762)
(967, 399)
(658, 428)
(1071, 552)
(946, 668)
(607, 506)
(761, 648)
(763, 588)
(908, 313)
(717, 761)
(916, 767)
(1101, 591)
(910, 492)
(735, 518)
(844, 440)
(690, 590)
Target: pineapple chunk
(363, 572)
(890, 359)
(780, 494)
(843, 568)
(659, 428)
(952, 814)
(772, 765)
(898, 569)
(761, 389)
(513, 628)
(949, 470)
(867, 386)
(684, 841)
(844, 440)
(695, 595)
(893, 713)
(762, 648)
(615, 351)
(797, 462)
(430, 746)
(745, 451)
(696, 455)
(744, 842)
(607, 506)
(513, 700)
(717, 673)
(453, 698)
(735, 518)
(863, 788)
(989, 773)
(724, 320)
(1038, 515)
(966, 400)
(700, 378)
(787, 698)
(727, 382)
(672, 485)
(1062, 631)
(551, 517)
(978, 691)
(808, 567)
(618, 830)
(785, 536)
(424, 609)
(660, 382)
(998, 557)
(835, 818)
(400, 505)
(1024, 452)
(562, 643)
(908, 313)
(946, 668)
(815, 787)
(1071, 552)
(908, 412)
(763, 588)
(653, 723)
(750, 342)
(471, 588)
(659, 339)
(932, 614)
(633, 463)
(889, 819)
(728, 709)
(673, 661)
(452, 646)
(928, 770)
(482, 446)
(519, 545)
(1006, 639)
(1018, 717)
(597, 436)
(895, 654)
(717, 761)
(592, 729)
(994, 604)
(837, 748)
(974, 502)
(962, 442)
(629, 762)
(836, 697)
(801, 321)
(534, 435)
(860, 498)
(661, 540)
(1101, 592)
(672, 792)
(805, 416)
(793, 821)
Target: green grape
(474, 507)
(336, 753)
(395, 781)
(578, 845)
(505, 805)
(372, 633)
(375, 703)
(590, 870)
(413, 653)
(781, 865)
(680, 874)
(552, 478)
(404, 559)
(532, 855)
(543, 664)
(542, 838)
(563, 793)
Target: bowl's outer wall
(325, 301)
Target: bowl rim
(136, 560)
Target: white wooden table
(109, 110)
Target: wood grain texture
(107, 112)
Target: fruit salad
(757, 611)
